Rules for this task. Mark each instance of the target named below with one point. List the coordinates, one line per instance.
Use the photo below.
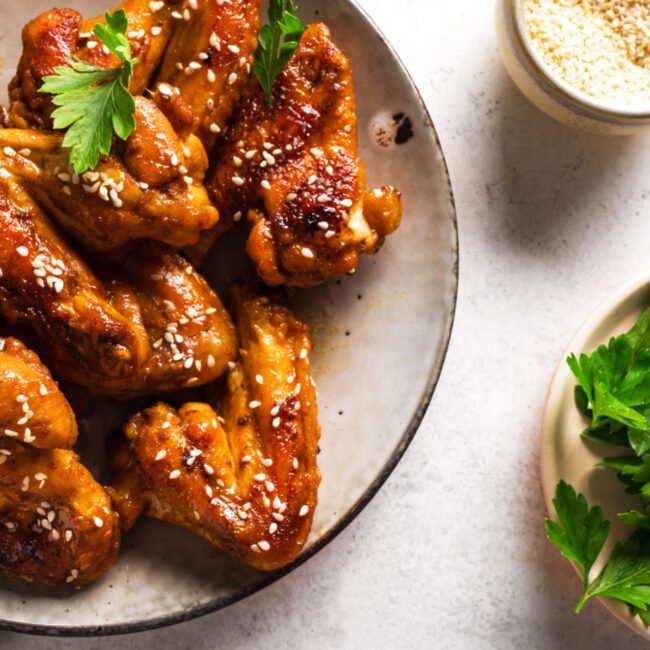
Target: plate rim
(611, 304)
(168, 620)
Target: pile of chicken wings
(100, 279)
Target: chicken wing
(50, 40)
(153, 325)
(296, 172)
(148, 188)
(244, 475)
(32, 408)
(57, 525)
(207, 64)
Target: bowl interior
(380, 340)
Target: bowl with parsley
(595, 456)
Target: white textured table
(452, 553)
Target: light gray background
(451, 553)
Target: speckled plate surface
(565, 455)
(380, 342)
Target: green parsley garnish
(278, 42)
(94, 103)
(581, 534)
(614, 389)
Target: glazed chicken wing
(50, 40)
(150, 187)
(244, 474)
(207, 65)
(296, 172)
(32, 408)
(152, 325)
(57, 525)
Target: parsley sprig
(278, 42)
(93, 103)
(581, 533)
(614, 389)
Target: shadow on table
(541, 170)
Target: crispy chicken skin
(242, 475)
(149, 187)
(209, 60)
(152, 325)
(32, 408)
(50, 39)
(57, 525)
(295, 171)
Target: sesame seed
(255, 548)
(267, 462)
(238, 181)
(232, 78)
(254, 404)
(156, 30)
(266, 185)
(246, 459)
(259, 379)
(272, 528)
(303, 353)
(98, 521)
(277, 516)
(237, 216)
(161, 454)
(291, 196)
(234, 49)
(276, 423)
(264, 545)
(260, 477)
(212, 77)
(346, 203)
(174, 474)
(208, 469)
(23, 251)
(307, 252)
(269, 486)
(42, 390)
(156, 5)
(303, 511)
(67, 535)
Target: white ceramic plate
(380, 341)
(566, 455)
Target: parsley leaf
(626, 575)
(278, 42)
(614, 388)
(581, 531)
(94, 103)
(581, 534)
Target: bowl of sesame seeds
(583, 62)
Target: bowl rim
(582, 99)
(411, 429)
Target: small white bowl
(549, 92)
(564, 454)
